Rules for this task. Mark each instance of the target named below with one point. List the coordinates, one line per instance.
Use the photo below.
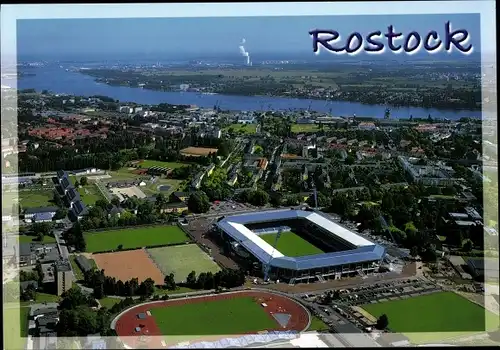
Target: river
(58, 80)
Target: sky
(212, 35)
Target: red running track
(150, 335)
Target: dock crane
(268, 265)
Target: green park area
(181, 260)
(134, 238)
(90, 194)
(242, 128)
(237, 315)
(298, 128)
(434, 317)
(31, 198)
(147, 163)
(291, 244)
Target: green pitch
(433, 317)
(291, 244)
(134, 238)
(231, 316)
(181, 260)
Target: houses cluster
(429, 174)
(70, 196)
(66, 134)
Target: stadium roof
(235, 227)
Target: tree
(191, 279)
(147, 287)
(198, 202)
(61, 213)
(382, 322)
(169, 282)
(120, 246)
(84, 181)
(414, 251)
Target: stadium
(297, 246)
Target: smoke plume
(244, 52)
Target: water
(58, 80)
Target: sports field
(290, 244)
(433, 317)
(129, 264)
(231, 316)
(202, 318)
(134, 238)
(181, 260)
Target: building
(480, 268)
(176, 207)
(428, 175)
(346, 253)
(70, 196)
(180, 196)
(40, 213)
(64, 277)
(83, 263)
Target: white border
(486, 8)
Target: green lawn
(242, 128)
(29, 239)
(181, 260)
(179, 290)
(297, 128)
(291, 244)
(15, 327)
(109, 302)
(134, 238)
(90, 194)
(231, 316)
(317, 325)
(147, 163)
(434, 317)
(36, 198)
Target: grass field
(150, 163)
(134, 238)
(290, 244)
(29, 239)
(434, 317)
(242, 128)
(33, 199)
(231, 316)
(90, 194)
(304, 128)
(317, 325)
(150, 189)
(108, 302)
(181, 260)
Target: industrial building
(345, 252)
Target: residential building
(175, 207)
(180, 196)
(64, 277)
(429, 175)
